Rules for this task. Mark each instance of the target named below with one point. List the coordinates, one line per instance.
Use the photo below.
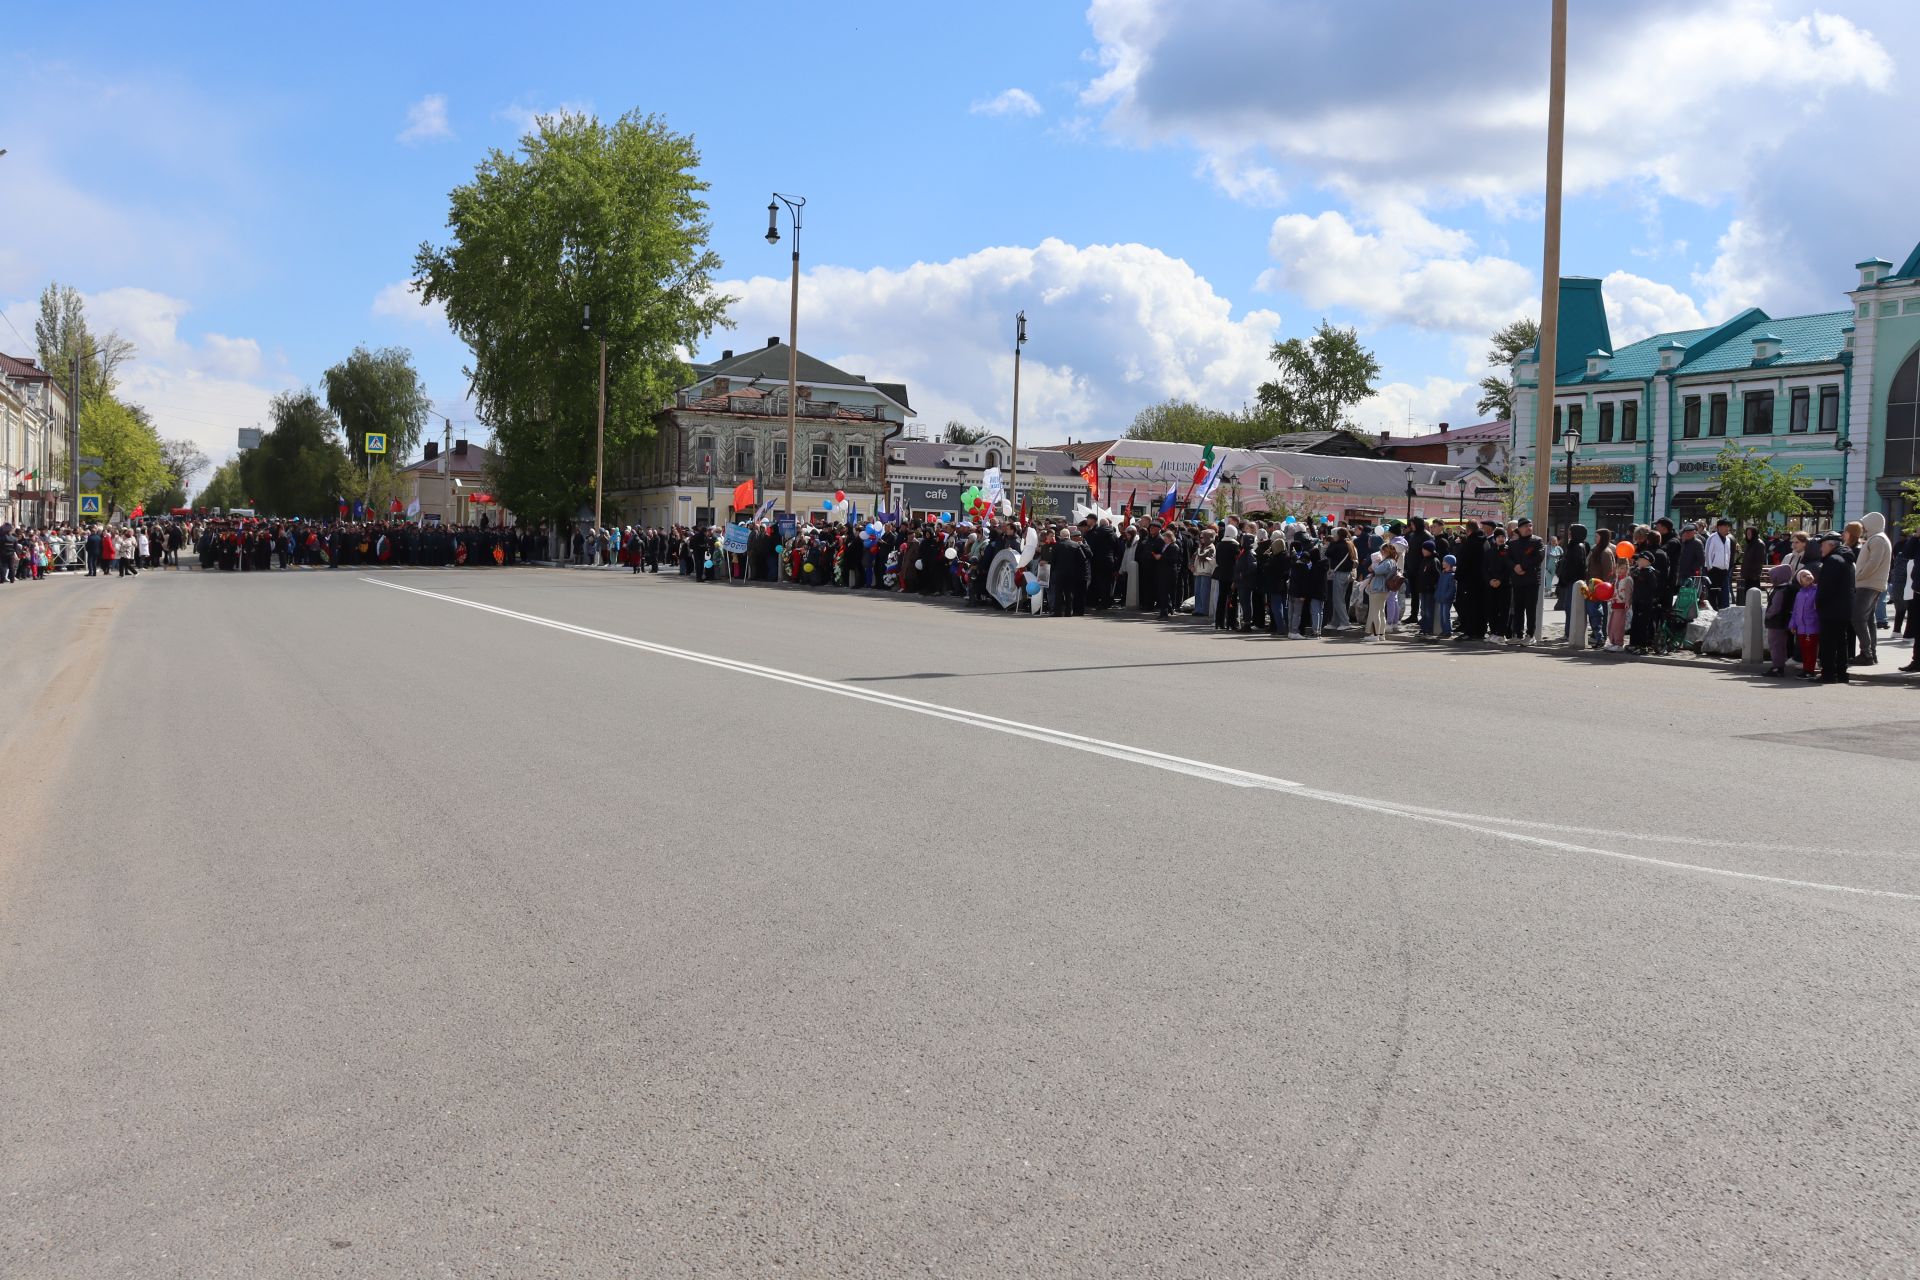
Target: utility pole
(794, 205)
(73, 441)
(600, 441)
(1550, 289)
(1019, 341)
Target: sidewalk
(1894, 653)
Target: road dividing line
(1139, 755)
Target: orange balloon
(1624, 551)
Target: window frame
(856, 462)
(1799, 410)
(1629, 421)
(1717, 406)
(1604, 431)
(1690, 417)
(1748, 417)
(820, 461)
(1829, 395)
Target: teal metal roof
(1638, 361)
(1911, 267)
(1816, 339)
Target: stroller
(1686, 606)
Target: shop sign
(1323, 484)
(1598, 473)
(930, 497)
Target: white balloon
(952, 554)
(1028, 546)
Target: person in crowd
(1571, 570)
(1834, 600)
(1225, 606)
(1246, 582)
(1620, 606)
(1383, 579)
(1805, 621)
(1340, 569)
(1753, 562)
(1496, 566)
(1163, 575)
(1071, 573)
(1872, 571)
(1600, 568)
(1446, 586)
(1718, 557)
(1526, 557)
(1779, 617)
(1276, 570)
(1205, 559)
(1649, 602)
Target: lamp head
(1020, 330)
(773, 222)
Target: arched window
(993, 457)
(1903, 420)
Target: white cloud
(1008, 102)
(1639, 308)
(523, 116)
(1112, 328)
(401, 301)
(1692, 98)
(201, 390)
(427, 121)
(1407, 270)
(1405, 408)
(1746, 273)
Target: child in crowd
(1445, 588)
(1806, 624)
(1779, 617)
(1620, 607)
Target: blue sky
(1165, 187)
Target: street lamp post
(1463, 500)
(794, 205)
(1409, 500)
(1109, 466)
(1571, 443)
(1019, 341)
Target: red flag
(1200, 473)
(743, 495)
(137, 512)
(1091, 474)
(395, 507)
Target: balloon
(946, 517)
(1289, 520)
(826, 506)
(953, 553)
(918, 565)
(1033, 586)
(1624, 551)
(1028, 546)
(1602, 590)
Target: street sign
(91, 460)
(376, 442)
(90, 504)
(787, 524)
(249, 438)
(90, 479)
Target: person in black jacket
(1496, 572)
(1071, 571)
(1472, 600)
(1226, 615)
(1572, 568)
(1833, 600)
(1103, 549)
(1162, 571)
(1276, 572)
(1527, 557)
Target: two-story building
(730, 425)
(33, 441)
(1837, 392)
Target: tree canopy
(132, 465)
(1496, 390)
(1183, 422)
(961, 433)
(1319, 379)
(61, 333)
(588, 232)
(378, 391)
(300, 469)
(1753, 488)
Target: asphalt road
(348, 931)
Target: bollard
(1753, 647)
(1576, 620)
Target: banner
(735, 539)
(991, 486)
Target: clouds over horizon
(1111, 329)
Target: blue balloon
(1033, 586)
(827, 505)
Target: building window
(856, 462)
(1556, 422)
(1903, 420)
(1829, 408)
(1606, 423)
(1266, 482)
(1630, 421)
(819, 460)
(1717, 416)
(1690, 420)
(703, 454)
(780, 458)
(743, 455)
(703, 517)
(1756, 415)
(993, 457)
(1574, 415)
(1798, 410)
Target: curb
(1732, 666)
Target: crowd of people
(1471, 582)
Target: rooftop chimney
(726, 355)
(1445, 427)
(433, 450)
(459, 448)
(773, 342)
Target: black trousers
(1070, 598)
(1526, 611)
(1836, 647)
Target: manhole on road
(1891, 740)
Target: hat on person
(1832, 535)
(1449, 561)
(1525, 522)
(1429, 545)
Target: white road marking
(1153, 759)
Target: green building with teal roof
(1838, 392)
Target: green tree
(1041, 504)
(1496, 390)
(589, 232)
(961, 433)
(299, 468)
(378, 391)
(1516, 495)
(1183, 422)
(132, 465)
(61, 333)
(183, 460)
(1319, 379)
(1753, 488)
(1910, 496)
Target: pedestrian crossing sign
(89, 504)
(376, 442)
